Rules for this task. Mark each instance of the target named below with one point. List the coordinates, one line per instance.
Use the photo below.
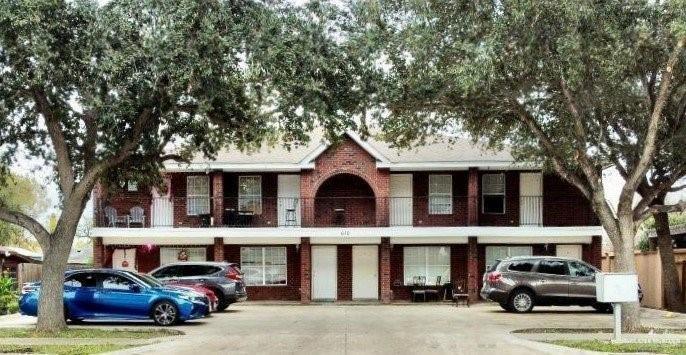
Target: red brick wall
(564, 205)
(458, 269)
(420, 188)
(345, 272)
(345, 158)
(511, 215)
(178, 193)
(123, 200)
(289, 292)
(148, 257)
(592, 253)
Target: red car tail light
(494, 277)
(234, 274)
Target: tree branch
(677, 207)
(64, 165)
(26, 222)
(644, 162)
(580, 133)
(525, 117)
(89, 143)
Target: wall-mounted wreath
(182, 255)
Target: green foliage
(481, 66)
(21, 194)
(643, 243)
(9, 300)
(195, 76)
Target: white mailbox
(616, 287)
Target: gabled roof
(380, 158)
(439, 154)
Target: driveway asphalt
(378, 329)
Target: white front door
(365, 272)
(530, 199)
(288, 200)
(401, 200)
(569, 251)
(324, 277)
(162, 206)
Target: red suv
(224, 279)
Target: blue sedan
(99, 294)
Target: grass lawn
(598, 345)
(61, 349)
(88, 333)
(596, 330)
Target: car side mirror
(135, 288)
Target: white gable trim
(382, 161)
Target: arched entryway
(345, 200)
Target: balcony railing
(245, 212)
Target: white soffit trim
(535, 240)
(461, 165)
(245, 167)
(430, 240)
(156, 241)
(397, 232)
(261, 240)
(345, 240)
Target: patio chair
(431, 291)
(137, 216)
(460, 292)
(418, 281)
(111, 216)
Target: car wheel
(506, 307)
(223, 305)
(521, 301)
(165, 313)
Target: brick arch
(346, 158)
(323, 178)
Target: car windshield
(148, 280)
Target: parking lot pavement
(376, 329)
(370, 329)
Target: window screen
(250, 194)
(493, 193)
(424, 265)
(440, 194)
(264, 265)
(197, 195)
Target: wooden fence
(28, 273)
(649, 271)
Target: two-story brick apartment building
(357, 220)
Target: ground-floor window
(173, 255)
(264, 266)
(428, 265)
(494, 253)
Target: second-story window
(250, 194)
(493, 193)
(440, 194)
(197, 195)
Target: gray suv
(519, 283)
(224, 279)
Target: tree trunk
(626, 262)
(671, 286)
(51, 299)
(55, 256)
